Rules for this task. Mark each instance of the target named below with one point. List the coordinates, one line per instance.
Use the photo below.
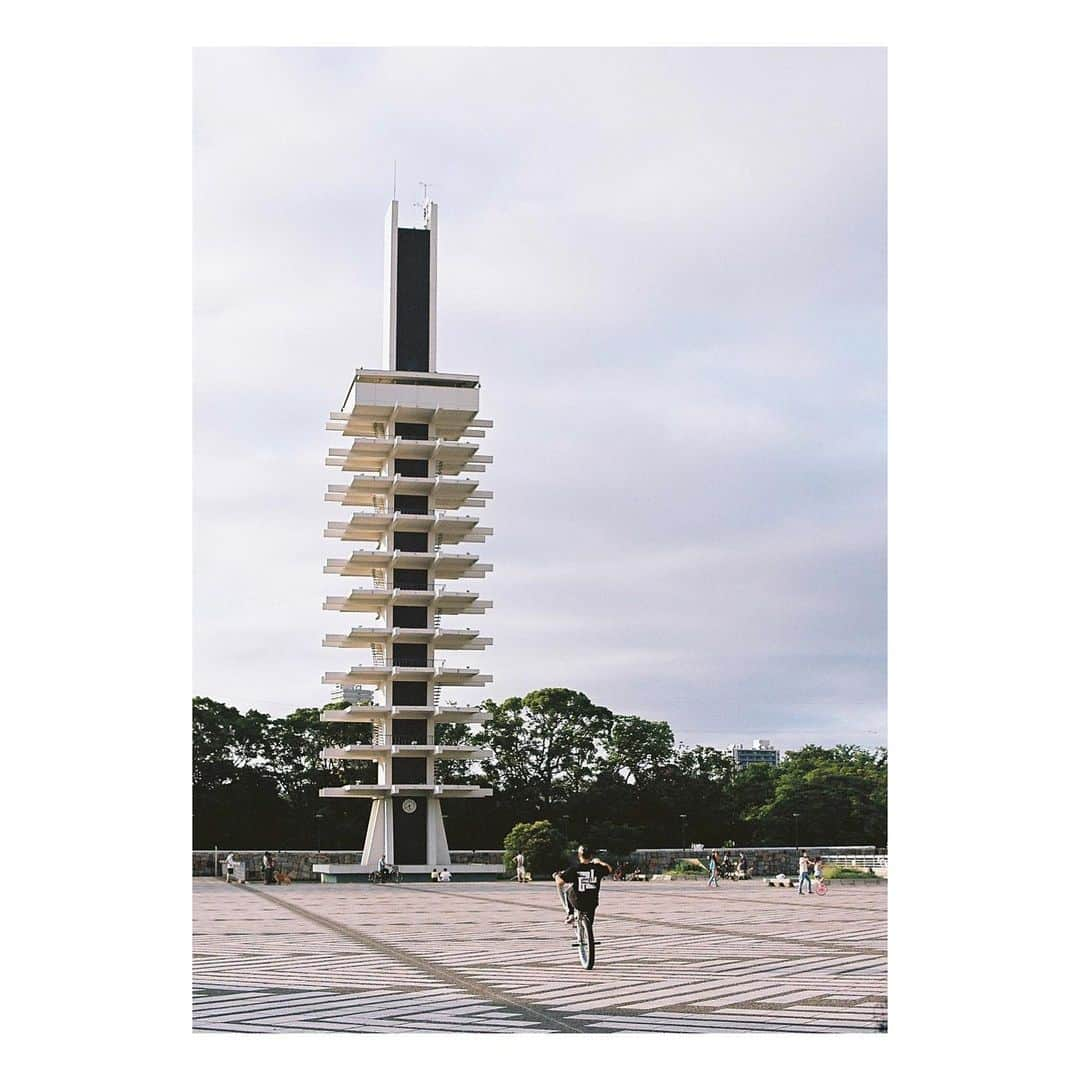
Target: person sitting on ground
(583, 877)
(444, 874)
(434, 873)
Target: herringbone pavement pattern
(495, 957)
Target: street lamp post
(318, 831)
(683, 819)
(796, 817)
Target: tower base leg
(379, 840)
(438, 853)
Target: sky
(667, 266)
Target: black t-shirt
(584, 880)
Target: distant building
(761, 752)
(352, 695)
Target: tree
(544, 847)
(615, 781)
(449, 770)
(545, 745)
(752, 787)
(840, 796)
(634, 747)
(256, 778)
(222, 741)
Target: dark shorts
(585, 904)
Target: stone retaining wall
(763, 862)
(297, 864)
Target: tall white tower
(414, 466)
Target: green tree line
(618, 782)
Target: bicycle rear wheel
(586, 945)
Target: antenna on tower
(425, 206)
(395, 178)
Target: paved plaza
(466, 957)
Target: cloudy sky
(668, 269)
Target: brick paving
(496, 958)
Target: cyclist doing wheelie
(580, 882)
(579, 889)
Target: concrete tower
(414, 469)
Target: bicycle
(584, 940)
(820, 887)
(393, 874)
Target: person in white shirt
(230, 866)
(804, 875)
(519, 859)
(444, 875)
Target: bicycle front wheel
(586, 945)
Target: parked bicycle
(381, 877)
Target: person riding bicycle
(583, 882)
(384, 869)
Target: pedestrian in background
(713, 864)
(804, 874)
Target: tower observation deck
(412, 465)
